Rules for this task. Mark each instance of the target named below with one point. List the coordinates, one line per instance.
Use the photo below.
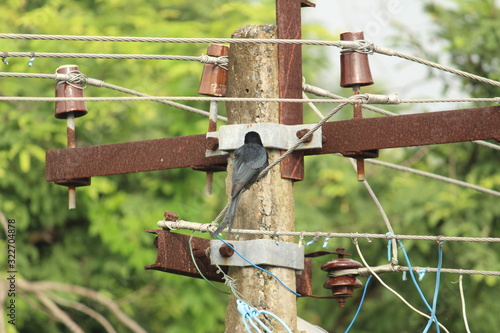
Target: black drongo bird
(250, 159)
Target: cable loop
(73, 78)
(221, 62)
(360, 46)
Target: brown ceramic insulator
(214, 78)
(354, 66)
(69, 90)
(342, 286)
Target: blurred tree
(469, 32)
(102, 246)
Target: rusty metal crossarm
(348, 136)
(358, 135)
(128, 157)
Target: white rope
(487, 144)
(208, 227)
(462, 299)
(364, 272)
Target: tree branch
(85, 309)
(84, 292)
(59, 314)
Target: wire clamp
(275, 136)
(260, 252)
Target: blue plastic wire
(258, 267)
(410, 270)
(412, 275)
(436, 290)
(360, 304)
(389, 246)
(250, 315)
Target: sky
(379, 19)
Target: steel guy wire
(78, 77)
(221, 61)
(434, 176)
(208, 227)
(355, 99)
(361, 46)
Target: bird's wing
(250, 159)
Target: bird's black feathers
(250, 159)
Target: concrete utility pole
(268, 204)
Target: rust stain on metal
(226, 251)
(174, 256)
(212, 143)
(462, 125)
(288, 20)
(341, 137)
(119, 158)
(304, 279)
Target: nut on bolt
(212, 143)
(226, 251)
(300, 134)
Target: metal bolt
(300, 134)
(212, 143)
(226, 251)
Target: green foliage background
(102, 244)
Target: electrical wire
(203, 59)
(389, 288)
(258, 267)
(360, 304)
(462, 299)
(353, 100)
(361, 46)
(191, 252)
(436, 291)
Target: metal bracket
(276, 136)
(260, 252)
